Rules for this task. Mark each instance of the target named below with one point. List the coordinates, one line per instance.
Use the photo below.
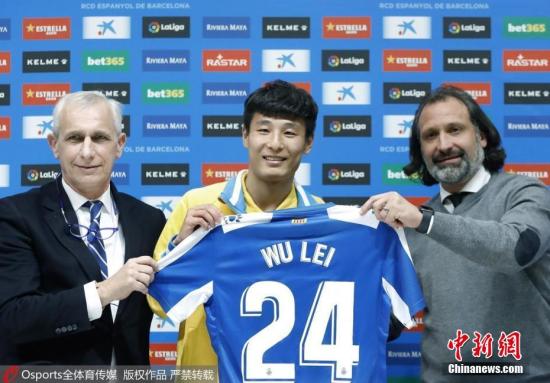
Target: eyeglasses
(82, 231)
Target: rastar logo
(540, 171)
(480, 91)
(5, 128)
(346, 27)
(5, 62)
(406, 60)
(44, 94)
(55, 28)
(226, 60)
(214, 173)
(526, 60)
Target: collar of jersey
(240, 201)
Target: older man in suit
(74, 263)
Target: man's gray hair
(85, 99)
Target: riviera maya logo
(395, 93)
(32, 175)
(334, 174)
(335, 126)
(154, 27)
(333, 61)
(454, 28)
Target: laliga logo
(154, 27)
(333, 61)
(32, 175)
(335, 126)
(395, 93)
(334, 174)
(454, 28)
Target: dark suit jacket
(43, 315)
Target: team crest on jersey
(232, 218)
(298, 221)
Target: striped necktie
(95, 243)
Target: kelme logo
(165, 93)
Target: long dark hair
(494, 153)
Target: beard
(463, 172)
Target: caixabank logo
(225, 92)
(341, 27)
(44, 94)
(405, 92)
(407, 27)
(346, 93)
(524, 60)
(40, 174)
(119, 91)
(212, 173)
(5, 127)
(52, 28)
(106, 27)
(166, 204)
(166, 126)
(226, 60)
(394, 175)
(527, 27)
(540, 171)
(4, 175)
(398, 125)
(285, 27)
(222, 126)
(226, 27)
(165, 93)
(467, 27)
(407, 60)
(165, 174)
(166, 27)
(166, 60)
(346, 174)
(5, 29)
(46, 61)
(285, 60)
(5, 62)
(4, 94)
(480, 91)
(467, 60)
(105, 61)
(527, 126)
(37, 127)
(345, 60)
(347, 126)
(527, 93)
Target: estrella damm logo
(44, 94)
(105, 61)
(53, 28)
(165, 93)
(5, 127)
(527, 27)
(5, 62)
(480, 91)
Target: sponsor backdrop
(183, 68)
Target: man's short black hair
(281, 99)
(494, 153)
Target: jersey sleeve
(185, 277)
(399, 278)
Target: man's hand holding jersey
(206, 216)
(393, 209)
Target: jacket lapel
(53, 196)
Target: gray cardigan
(486, 268)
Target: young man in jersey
(279, 122)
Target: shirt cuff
(93, 303)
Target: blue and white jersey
(298, 295)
